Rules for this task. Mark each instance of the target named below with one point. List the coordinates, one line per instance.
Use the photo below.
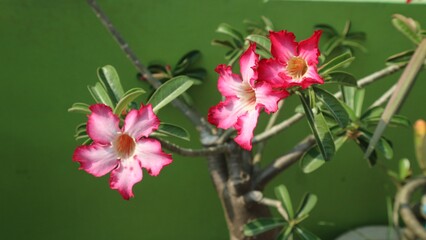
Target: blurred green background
(49, 52)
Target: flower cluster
(122, 151)
(264, 83)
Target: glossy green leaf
(358, 36)
(334, 106)
(402, 88)
(326, 29)
(342, 78)
(402, 57)
(408, 27)
(230, 31)
(268, 23)
(173, 130)
(233, 56)
(354, 98)
(186, 61)
(127, 98)
(111, 82)
(308, 203)
(340, 61)
(287, 233)
(100, 95)
(198, 73)
(262, 225)
(313, 159)
(395, 121)
(262, 41)
(332, 44)
(373, 112)
(320, 130)
(223, 43)
(304, 234)
(80, 108)
(170, 90)
(383, 145)
(282, 194)
(363, 144)
(354, 44)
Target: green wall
(49, 52)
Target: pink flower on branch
(245, 98)
(293, 64)
(123, 152)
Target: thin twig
(189, 152)
(296, 117)
(202, 126)
(257, 196)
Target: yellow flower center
(125, 146)
(297, 67)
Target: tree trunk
(232, 174)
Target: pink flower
(293, 64)
(245, 98)
(123, 152)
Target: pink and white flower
(123, 152)
(245, 98)
(293, 63)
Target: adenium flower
(245, 98)
(293, 64)
(123, 152)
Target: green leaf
(342, 78)
(223, 43)
(100, 95)
(383, 145)
(331, 44)
(262, 225)
(373, 112)
(230, 31)
(282, 194)
(128, 97)
(326, 29)
(173, 130)
(402, 89)
(308, 203)
(186, 61)
(363, 144)
(262, 41)
(268, 23)
(80, 108)
(320, 130)
(334, 106)
(395, 121)
(340, 61)
(354, 44)
(170, 90)
(312, 159)
(346, 28)
(233, 56)
(354, 98)
(402, 57)
(358, 36)
(111, 82)
(304, 234)
(408, 27)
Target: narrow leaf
(173, 130)
(304, 234)
(262, 41)
(230, 31)
(111, 82)
(342, 60)
(312, 159)
(402, 57)
(402, 88)
(223, 43)
(363, 144)
(262, 225)
(326, 29)
(320, 130)
(354, 44)
(404, 169)
(334, 106)
(395, 121)
(407, 26)
(282, 194)
(170, 90)
(308, 203)
(186, 61)
(342, 78)
(79, 108)
(383, 145)
(268, 23)
(100, 95)
(128, 97)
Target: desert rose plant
(122, 137)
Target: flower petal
(127, 174)
(248, 61)
(308, 49)
(226, 113)
(267, 97)
(151, 157)
(283, 45)
(311, 77)
(96, 159)
(229, 84)
(141, 123)
(102, 125)
(245, 127)
(272, 71)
